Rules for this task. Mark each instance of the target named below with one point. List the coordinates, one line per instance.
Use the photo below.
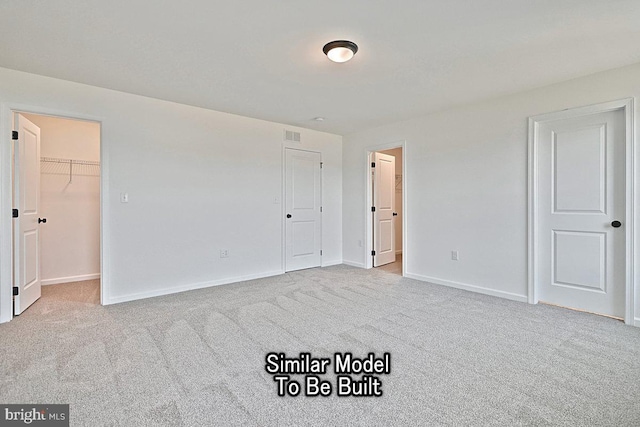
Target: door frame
(627, 106)
(7, 109)
(368, 233)
(283, 203)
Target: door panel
(303, 197)
(575, 152)
(579, 260)
(385, 232)
(304, 239)
(581, 191)
(384, 197)
(30, 254)
(31, 162)
(26, 226)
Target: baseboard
(69, 279)
(188, 287)
(330, 263)
(468, 287)
(353, 263)
(637, 322)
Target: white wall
(198, 181)
(466, 177)
(70, 239)
(397, 153)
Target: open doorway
(56, 191)
(386, 219)
(395, 267)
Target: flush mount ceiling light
(340, 50)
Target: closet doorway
(393, 237)
(386, 195)
(56, 193)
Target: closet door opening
(57, 194)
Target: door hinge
(320, 208)
(373, 253)
(14, 213)
(14, 135)
(16, 291)
(320, 252)
(321, 165)
(373, 208)
(373, 164)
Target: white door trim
(627, 106)
(368, 237)
(6, 201)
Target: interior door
(581, 210)
(26, 226)
(303, 205)
(384, 201)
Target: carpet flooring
(198, 358)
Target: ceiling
(264, 59)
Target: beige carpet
(197, 358)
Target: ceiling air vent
(291, 136)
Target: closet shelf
(69, 161)
(71, 167)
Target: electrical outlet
(454, 255)
(224, 253)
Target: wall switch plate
(124, 197)
(224, 253)
(454, 255)
(360, 243)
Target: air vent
(291, 136)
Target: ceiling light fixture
(340, 50)
(319, 119)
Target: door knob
(616, 224)
(42, 220)
(288, 215)
(395, 214)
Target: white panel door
(303, 205)
(581, 210)
(384, 202)
(26, 226)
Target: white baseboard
(69, 279)
(468, 287)
(188, 287)
(353, 263)
(636, 323)
(330, 263)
